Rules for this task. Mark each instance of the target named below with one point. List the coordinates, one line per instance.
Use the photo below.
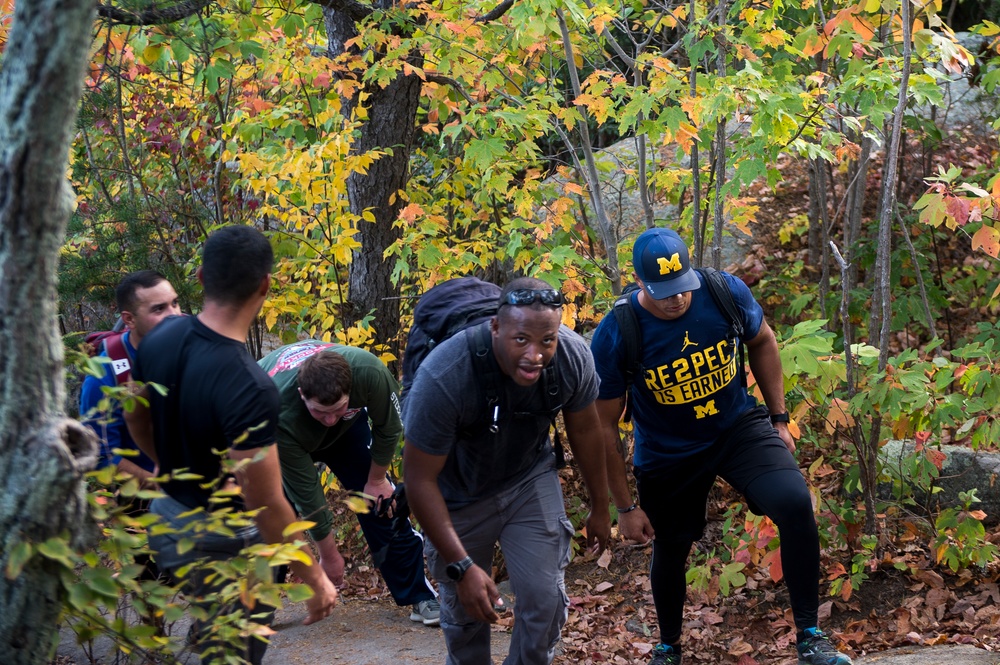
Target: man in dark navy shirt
(694, 421)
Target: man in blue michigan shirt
(694, 421)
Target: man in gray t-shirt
(480, 473)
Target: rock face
(965, 104)
(963, 469)
(619, 168)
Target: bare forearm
(271, 522)
(618, 482)
(377, 473)
(133, 469)
(424, 496)
(586, 440)
(609, 412)
(429, 508)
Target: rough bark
(390, 126)
(43, 454)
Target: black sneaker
(664, 654)
(816, 649)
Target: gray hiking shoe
(427, 612)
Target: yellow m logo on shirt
(707, 410)
(670, 265)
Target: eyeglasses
(522, 297)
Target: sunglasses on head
(521, 297)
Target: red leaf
(773, 562)
(958, 208)
(936, 457)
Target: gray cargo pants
(530, 524)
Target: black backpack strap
(628, 324)
(553, 404)
(723, 297)
(481, 346)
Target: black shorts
(674, 498)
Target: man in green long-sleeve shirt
(329, 394)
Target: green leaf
(299, 592)
(56, 549)
(484, 153)
(19, 555)
(184, 545)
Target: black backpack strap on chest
(481, 346)
(628, 325)
(553, 404)
(723, 297)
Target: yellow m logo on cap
(670, 265)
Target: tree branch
(447, 80)
(352, 8)
(152, 15)
(497, 12)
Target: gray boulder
(963, 469)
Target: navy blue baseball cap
(662, 262)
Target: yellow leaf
(357, 505)
(151, 53)
(297, 526)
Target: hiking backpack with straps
(632, 336)
(449, 308)
(112, 342)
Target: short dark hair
(132, 282)
(325, 377)
(529, 283)
(233, 263)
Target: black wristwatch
(456, 571)
(780, 418)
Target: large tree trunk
(43, 455)
(390, 127)
(392, 113)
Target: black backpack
(446, 309)
(632, 336)
(449, 308)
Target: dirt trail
(362, 632)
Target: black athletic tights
(784, 498)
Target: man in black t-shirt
(218, 400)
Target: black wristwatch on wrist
(780, 418)
(456, 571)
